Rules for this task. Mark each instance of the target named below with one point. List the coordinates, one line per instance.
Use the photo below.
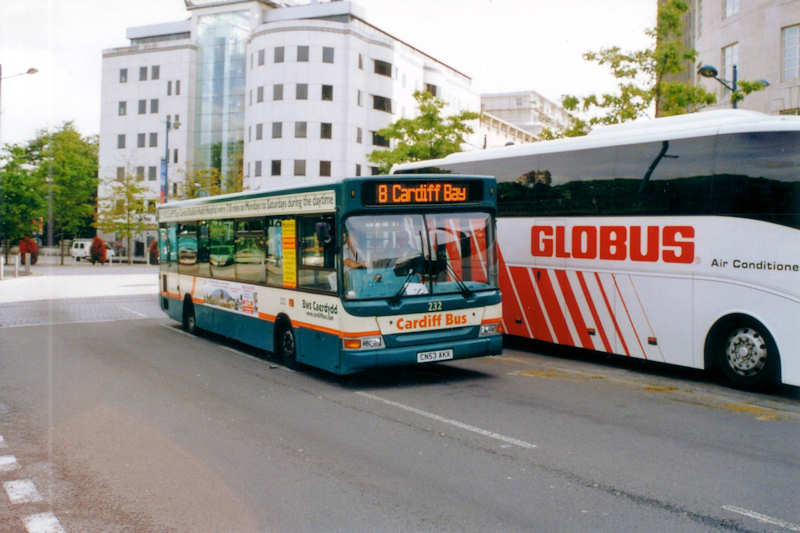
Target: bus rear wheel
(747, 355)
(286, 345)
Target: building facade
(270, 90)
(527, 110)
(760, 37)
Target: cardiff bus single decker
(342, 274)
(675, 240)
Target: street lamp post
(710, 71)
(29, 71)
(165, 162)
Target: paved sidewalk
(55, 282)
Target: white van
(80, 249)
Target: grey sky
(503, 45)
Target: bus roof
(666, 128)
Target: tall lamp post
(29, 71)
(165, 162)
(710, 71)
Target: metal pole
(735, 81)
(165, 171)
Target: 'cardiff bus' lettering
(672, 244)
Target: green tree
(21, 196)
(124, 211)
(427, 136)
(643, 78)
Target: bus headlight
(490, 329)
(373, 342)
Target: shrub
(97, 250)
(29, 246)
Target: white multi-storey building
(527, 110)
(283, 90)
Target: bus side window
(202, 249)
(250, 251)
(317, 253)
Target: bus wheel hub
(747, 351)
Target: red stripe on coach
(574, 309)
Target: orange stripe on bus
(491, 321)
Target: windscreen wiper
(394, 300)
(465, 291)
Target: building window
(250, 101)
(120, 173)
(260, 94)
(383, 68)
(360, 62)
(122, 110)
(791, 53)
(153, 139)
(358, 170)
(277, 91)
(327, 54)
(326, 130)
(249, 133)
(177, 87)
(260, 57)
(302, 54)
(139, 173)
(155, 72)
(259, 131)
(123, 75)
(381, 103)
(142, 73)
(431, 88)
(358, 97)
(258, 168)
(730, 57)
(141, 140)
(154, 105)
(325, 168)
(278, 56)
(175, 189)
(276, 167)
(175, 155)
(300, 130)
(359, 137)
(151, 173)
(327, 93)
(301, 91)
(277, 130)
(142, 107)
(299, 167)
(731, 7)
(379, 140)
(375, 171)
(169, 88)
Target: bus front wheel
(189, 321)
(747, 354)
(286, 345)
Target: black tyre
(189, 320)
(747, 354)
(285, 345)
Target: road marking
(66, 323)
(8, 463)
(254, 358)
(22, 491)
(450, 421)
(762, 517)
(42, 523)
(137, 313)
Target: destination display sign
(383, 193)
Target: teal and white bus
(343, 274)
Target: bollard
(27, 260)
(2, 267)
(16, 266)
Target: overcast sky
(504, 45)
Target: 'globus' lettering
(672, 244)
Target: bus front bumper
(354, 361)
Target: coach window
(250, 251)
(187, 249)
(317, 253)
(273, 256)
(756, 177)
(203, 268)
(169, 247)
(220, 249)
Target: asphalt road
(125, 423)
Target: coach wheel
(748, 355)
(286, 345)
(189, 320)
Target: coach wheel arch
(744, 351)
(285, 341)
(189, 321)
